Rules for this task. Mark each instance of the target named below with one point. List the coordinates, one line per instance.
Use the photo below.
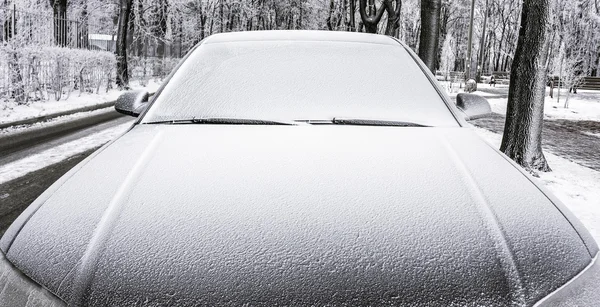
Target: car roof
(300, 35)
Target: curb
(33, 120)
(14, 142)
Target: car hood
(321, 215)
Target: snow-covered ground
(10, 112)
(578, 187)
(454, 89)
(54, 155)
(585, 105)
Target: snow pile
(59, 153)
(578, 187)
(10, 112)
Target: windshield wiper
(361, 122)
(222, 121)
(374, 122)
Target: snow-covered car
(298, 168)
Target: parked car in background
(299, 168)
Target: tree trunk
(160, 29)
(222, 16)
(430, 24)
(351, 19)
(370, 15)
(18, 88)
(141, 24)
(522, 140)
(393, 17)
(131, 27)
(482, 45)
(330, 16)
(121, 50)
(83, 30)
(468, 68)
(59, 10)
(560, 78)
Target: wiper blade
(360, 122)
(223, 121)
(171, 122)
(374, 122)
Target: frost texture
(301, 76)
(322, 215)
(18, 290)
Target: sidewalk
(575, 140)
(578, 187)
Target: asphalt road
(87, 126)
(17, 194)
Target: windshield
(289, 81)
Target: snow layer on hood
(578, 187)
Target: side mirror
(473, 106)
(132, 103)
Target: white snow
(105, 37)
(578, 187)
(455, 88)
(591, 134)
(54, 155)
(585, 105)
(10, 112)
(54, 121)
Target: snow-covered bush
(37, 72)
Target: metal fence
(43, 29)
(43, 56)
(25, 28)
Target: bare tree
(83, 27)
(351, 19)
(393, 8)
(370, 14)
(430, 26)
(121, 50)
(522, 140)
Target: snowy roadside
(10, 112)
(585, 105)
(578, 187)
(59, 153)
(53, 121)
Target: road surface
(17, 194)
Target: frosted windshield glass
(301, 80)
